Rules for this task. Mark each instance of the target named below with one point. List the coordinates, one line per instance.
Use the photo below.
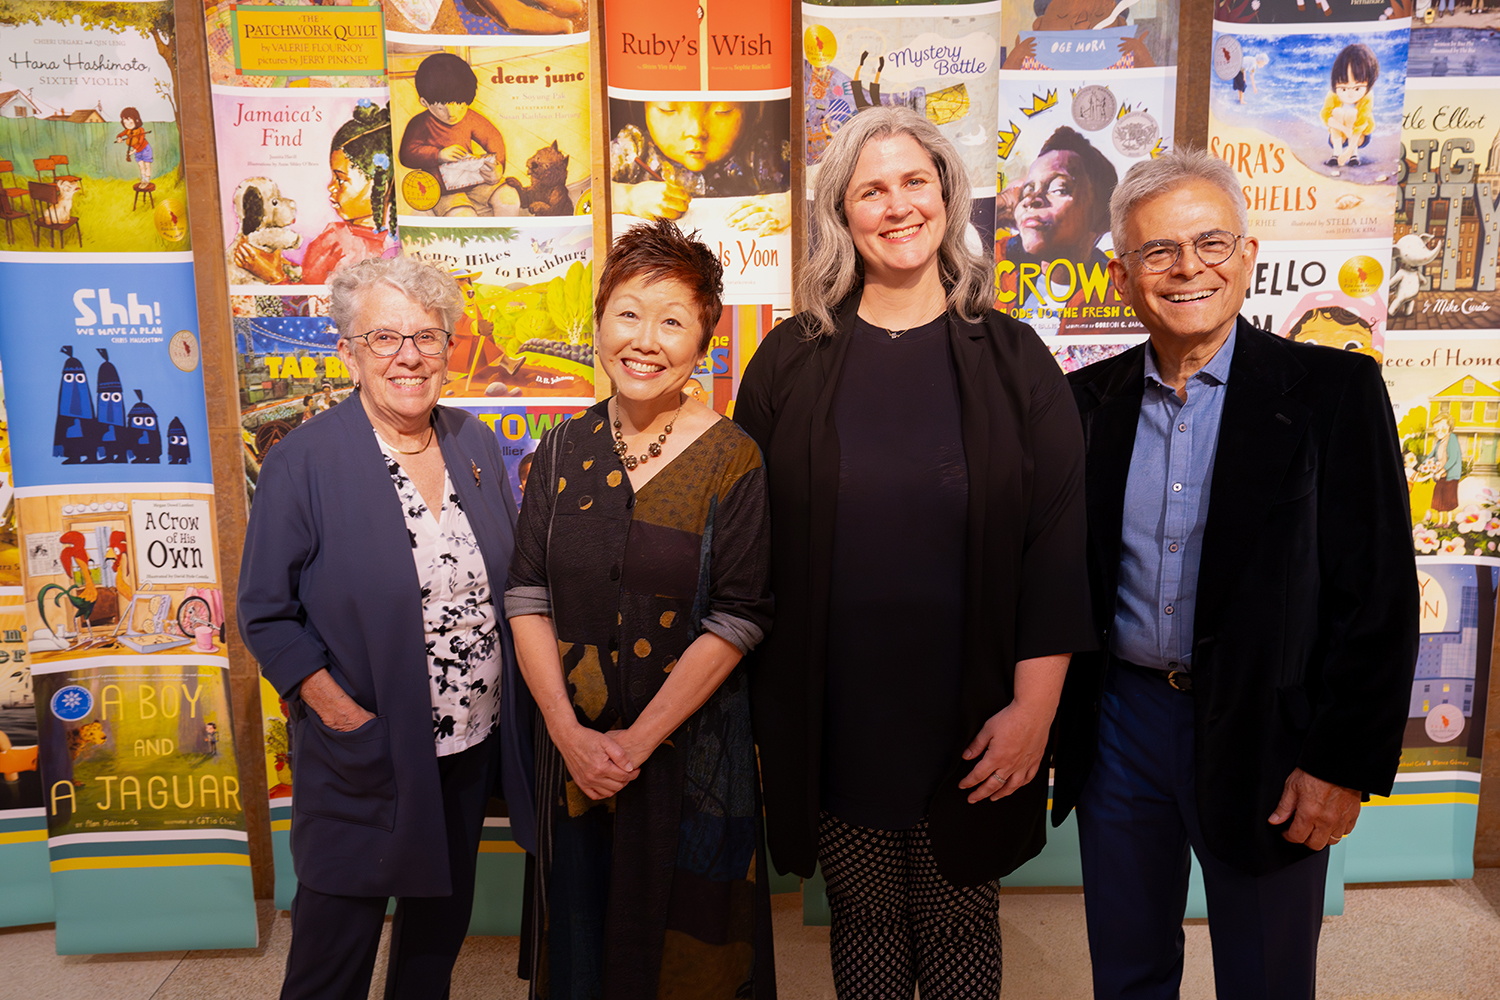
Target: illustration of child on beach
(1246, 75)
(703, 149)
(1349, 110)
(442, 139)
(136, 145)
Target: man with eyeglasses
(1255, 590)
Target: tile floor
(1422, 941)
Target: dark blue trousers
(1137, 817)
(335, 939)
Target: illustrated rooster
(83, 593)
(118, 553)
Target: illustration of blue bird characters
(73, 441)
(142, 435)
(111, 419)
(178, 452)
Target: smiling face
(350, 189)
(1351, 91)
(1189, 302)
(650, 339)
(447, 112)
(695, 133)
(894, 204)
(398, 392)
(1056, 208)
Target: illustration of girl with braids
(362, 189)
(363, 192)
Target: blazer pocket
(349, 776)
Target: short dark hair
(1340, 315)
(657, 251)
(1101, 173)
(443, 77)
(1355, 63)
(132, 114)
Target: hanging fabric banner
(1079, 104)
(700, 133)
(100, 340)
(493, 183)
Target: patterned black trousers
(898, 923)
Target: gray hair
(430, 287)
(1149, 178)
(835, 269)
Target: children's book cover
(104, 374)
(1310, 120)
(491, 132)
(1065, 142)
(527, 327)
(1446, 244)
(1089, 34)
(306, 179)
(89, 128)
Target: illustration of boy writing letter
(1348, 111)
(442, 139)
(136, 145)
(702, 149)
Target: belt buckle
(1180, 680)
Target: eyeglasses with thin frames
(388, 343)
(1213, 247)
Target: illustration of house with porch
(1472, 407)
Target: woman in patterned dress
(365, 594)
(639, 581)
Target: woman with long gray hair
(925, 467)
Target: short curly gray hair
(1149, 178)
(425, 284)
(835, 269)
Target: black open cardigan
(1026, 590)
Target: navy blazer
(328, 581)
(1305, 634)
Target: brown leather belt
(1178, 680)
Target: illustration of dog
(61, 212)
(265, 218)
(548, 191)
(1414, 251)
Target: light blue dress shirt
(1166, 508)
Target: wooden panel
(216, 334)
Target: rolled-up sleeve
(739, 587)
(1054, 615)
(528, 592)
(279, 541)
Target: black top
(895, 622)
(1025, 590)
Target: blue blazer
(328, 581)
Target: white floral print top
(458, 614)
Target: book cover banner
(1065, 141)
(940, 62)
(1089, 34)
(104, 377)
(1311, 123)
(120, 575)
(1310, 11)
(1443, 51)
(89, 127)
(1447, 234)
(1329, 292)
(306, 181)
(488, 17)
(527, 327)
(491, 131)
(683, 45)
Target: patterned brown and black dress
(660, 891)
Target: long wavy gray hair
(836, 270)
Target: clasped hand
(601, 763)
(1322, 813)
